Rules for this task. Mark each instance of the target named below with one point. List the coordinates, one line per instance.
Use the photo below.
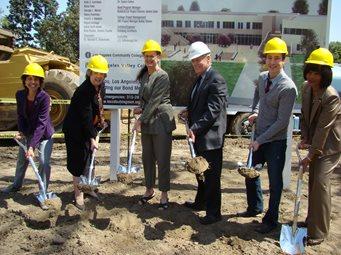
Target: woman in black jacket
(84, 117)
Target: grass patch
(297, 77)
(297, 59)
(229, 70)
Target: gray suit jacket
(207, 112)
(157, 112)
(321, 120)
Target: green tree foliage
(181, 77)
(309, 42)
(335, 48)
(194, 6)
(60, 33)
(300, 6)
(181, 8)
(20, 21)
(323, 8)
(26, 16)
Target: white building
(247, 28)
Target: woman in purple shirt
(34, 125)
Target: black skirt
(78, 156)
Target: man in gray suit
(206, 115)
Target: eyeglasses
(149, 56)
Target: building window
(248, 39)
(248, 26)
(228, 24)
(179, 23)
(218, 24)
(203, 24)
(187, 23)
(256, 25)
(298, 47)
(168, 23)
(240, 25)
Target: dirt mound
(119, 225)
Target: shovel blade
(292, 243)
(134, 169)
(122, 169)
(42, 197)
(87, 185)
(125, 170)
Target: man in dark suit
(206, 115)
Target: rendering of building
(245, 28)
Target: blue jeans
(273, 153)
(44, 155)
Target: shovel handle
(298, 193)
(191, 147)
(131, 150)
(249, 158)
(35, 169)
(91, 167)
(189, 140)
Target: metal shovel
(89, 183)
(247, 170)
(292, 239)
(42, 196)
(130, 168)
(197, 164)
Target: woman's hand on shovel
(94, 144)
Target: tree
(323, 8)
(273, 11)
(223, 40)
(309, 42)
(26, 16)
(195, 6)
(335, 49)
(225, 10)
(60, 33)
(300, 6)
(193, 38)
(20, 21)
(181, 8)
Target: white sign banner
(117, 30)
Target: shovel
(89, 183)
(130, 168)
(197, 164)
(42, 196)
(292, 239)
(247, 170)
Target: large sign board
(234, 30)
(117, 30)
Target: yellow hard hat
(99, 64)
(275, 45)
(34, 69)
(321, 56)
(151, 45)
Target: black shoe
(265, 228)
(195, 206)
(208, 219)
(248, 214)
(10, 189)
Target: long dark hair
(143, 70)
(325, 72)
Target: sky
(334, 33)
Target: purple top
(38, 124)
